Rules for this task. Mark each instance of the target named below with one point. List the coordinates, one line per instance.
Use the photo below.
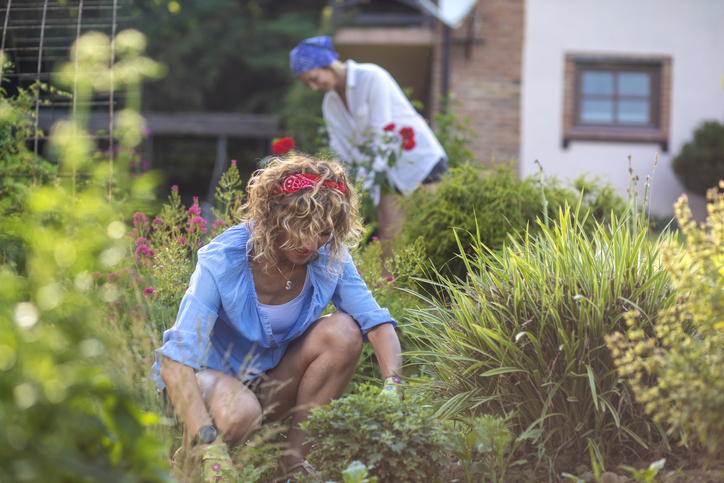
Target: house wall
(690, 32)
(485, 73)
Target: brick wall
(485, 75)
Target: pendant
(289, 285)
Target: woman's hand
(393, 388)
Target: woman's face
(320, 78)
(301, 255)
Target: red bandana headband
(297, 182)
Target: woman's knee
(235, 409)
(344, 333)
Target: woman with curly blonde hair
(250, 343)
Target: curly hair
(303, 215)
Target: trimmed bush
(700, 164)
(524, 333)
(491, 204)
(399, 442)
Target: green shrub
(19, 168)
(399, 442)
(677, 374)
(700, 164)
(491, 204)
(486, 448)
(524, 333)
(64, 415)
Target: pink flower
(218, 223)
(181, 240)
(375, 239)
(112, 278)
(139, 219)
(141, 241)
(194, 210)
(233, 162)
(138, 317)
(198, 222)
(390, 278)
(143, 252)
(359, 271)
(174, 188)
(138, 280)
(216, 467)
(149, 292)
(97, 275)
(158, 222)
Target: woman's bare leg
(316, 369)
(234, 408)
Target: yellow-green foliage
(678, 373)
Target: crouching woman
(249, 343)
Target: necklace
(288, 285)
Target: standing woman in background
(363, 102)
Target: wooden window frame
(657, 131)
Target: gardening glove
(216, 465)
(393, 388)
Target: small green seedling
(647, 475)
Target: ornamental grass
(523, 335)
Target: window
(617, 99)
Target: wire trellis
(37, 36)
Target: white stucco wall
(690, 31)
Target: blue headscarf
(310, 54)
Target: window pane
(600, 83)
(596, 110)
(633, 112)
(634, 84)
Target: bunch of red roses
(406, 133)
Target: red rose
(282, 146)
(389, 127)
(407, 133)
(408, 144)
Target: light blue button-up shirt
(221, 326)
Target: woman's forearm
(185, 394)
(387, 349)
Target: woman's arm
(387, 349)
(185, 395)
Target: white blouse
(375, 100)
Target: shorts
(438, 170)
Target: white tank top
(282, 317)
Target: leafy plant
(699, 163)
(524, 332)
(675, 370)
(356, 472)
(646, 475)
(401, 442)
(485, 452)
